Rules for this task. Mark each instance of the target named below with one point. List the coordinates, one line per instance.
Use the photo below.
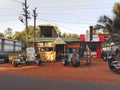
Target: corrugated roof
(51, 39)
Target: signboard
(99, 38)
(82, 38)
(95, 38)
(48, 56)
(30, 53)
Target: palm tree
(112, 26)
(105, 23)
(116, 24)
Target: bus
(9, 47)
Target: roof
(59, 40)
(52, 39)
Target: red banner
(101, 38)
(82, 38)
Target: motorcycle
(65, 60)
(74, 60)
(22, 59)
(114, 65)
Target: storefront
(72, 47)
(95, 48)
(52, 49)
(94, 45)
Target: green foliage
(110, 25)
(1, 34)
(116, 10)
(8, 33)
(69, 35)
(21, 36)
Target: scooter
(114, 65)
(22, 59)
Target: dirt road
(98, 71)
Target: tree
(116, 23)
(69, 35)
(57, 30)
(1, 34)
(21, 36)
(8, 33)
(112, 26)
(64, 35)
(105, 23)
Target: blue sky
(71, 16)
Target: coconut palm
(105, 23)
(116, 23)
(112, 26)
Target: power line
(58, 24)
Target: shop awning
(73, 45)
(59, 41)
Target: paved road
(12, 82)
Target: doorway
(59, 51)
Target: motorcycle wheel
(118, 72)
(15, 64)
(39, 63)
(65, 63)
(75, 63)
(27, 63)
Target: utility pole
(35, 15)
(25, 15)
(26, 19)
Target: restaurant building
(51, 46)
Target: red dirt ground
(98, 71)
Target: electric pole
(35, 15)
(26, 16)
(26, 19)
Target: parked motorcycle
(114, 65)
(65, 60)
(27, 57)
(22, 59)
(74, 60)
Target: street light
(21, 19)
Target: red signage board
(82, 38)
(101, 38)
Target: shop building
(51, 47)
(94, 42)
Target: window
(8, 45)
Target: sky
(71, 16)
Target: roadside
(98, 71)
